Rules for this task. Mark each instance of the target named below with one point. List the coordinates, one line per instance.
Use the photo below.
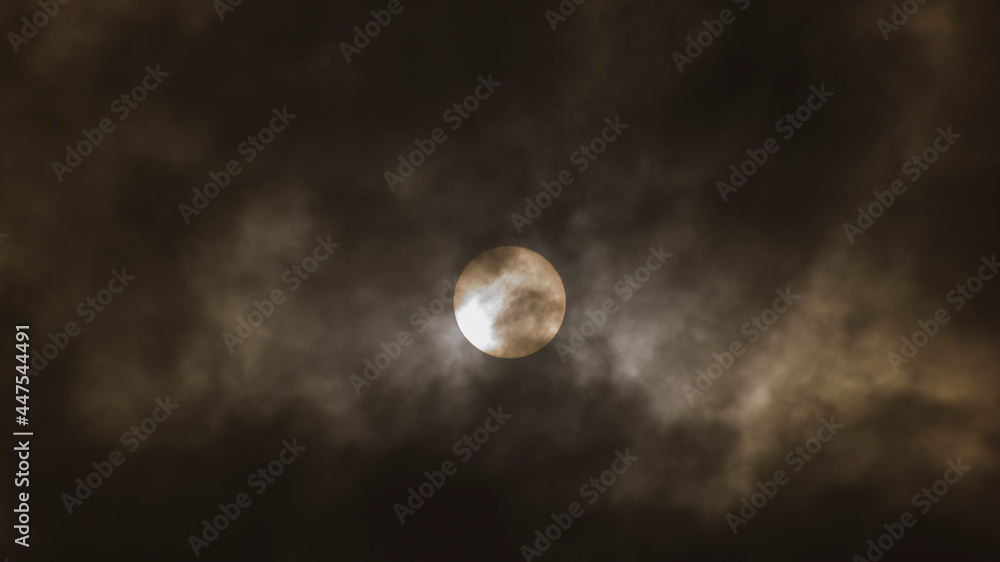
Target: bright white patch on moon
(477, 316)
(509, 302)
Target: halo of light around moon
(509, 302)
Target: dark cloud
(653, 187)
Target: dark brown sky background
(323, 177)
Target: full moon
(509, 302)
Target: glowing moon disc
(509, 302)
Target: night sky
(235, 230)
